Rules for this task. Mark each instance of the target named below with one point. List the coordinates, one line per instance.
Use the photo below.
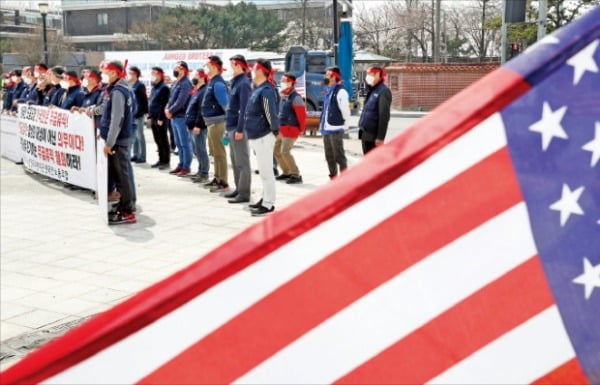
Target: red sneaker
(184, 172)
(175, 170)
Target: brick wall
(422, 86)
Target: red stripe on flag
(461, 330)
(383, 165)
(473, 197)
(570, 373)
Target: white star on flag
(590, 277)
(549, 125)
(594, 146)
(584, 61)
(567, 204)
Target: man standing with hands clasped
(375, 116)
(116, 127)
(262, 126)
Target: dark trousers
(162, 141)
(118, 164)
(334, 152)
(367, 146)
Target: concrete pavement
(60, 264)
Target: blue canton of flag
(553, 133)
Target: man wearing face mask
(334, 121)
(18, 88)
(54, 95)
(197, 127)
(116, 128)
(375, 116)
(159, 97)
(141, 99)
(43, 85)
(29, 94)
(93, 92)
(262, 126)
(73, 96)
(213, 110)
(8, 94)
(292, 118)
(234, 124)
(180, 96)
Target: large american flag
(466, 250)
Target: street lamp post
(43, 7)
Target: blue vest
(72, 97)
(256, 123)
(210, 105)
(369, 119)
(193, 108)
(334, 114)
(287, 115)
(127, 125)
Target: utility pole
(503, 34)
(438, 11)
(541, 32)
(482, 43)
(335, 32)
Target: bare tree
(31, 49)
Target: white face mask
(27, 80)
(37, 74)
(284, 85)
(105, 78)
(14, 79)
(370, 79)
(206, 69)
(64, 84)
(84, 83)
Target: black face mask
(326, 81)
(195, 81)
(175, 73)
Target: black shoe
(275, 171)
(219, 187)
(200, 179)
(294, 179)
(122, 218)
(134, 159)
(256, 205)
(140, 161)
(211, 184)
(164, 166)
(156, 165)
(262, 210)
(238, 200)
(283, 177)
(232, 194)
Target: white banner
(58, 144)
(102, 180)
(9, 138)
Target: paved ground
(59, 264)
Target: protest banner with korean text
(9, 138)
(58, 144)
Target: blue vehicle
(299, 60)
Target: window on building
(102, 18)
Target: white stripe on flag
(162, 340)
(521, 356)
(411, 299)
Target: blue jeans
(182, 139)
(139, 141)
(199, 146)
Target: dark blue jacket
(73, 97)
(94, 98)
(287, 115)
(18, 90)
(193, 117)
(159, 97)
(180, 96)
(238, 99)
(8, 98)
(127, 126)
(54, 96)
(261, 112)
(212, 111)
(29, 94)
(141, 98)
(376, 112)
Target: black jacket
(141, 98)
(159, 97)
